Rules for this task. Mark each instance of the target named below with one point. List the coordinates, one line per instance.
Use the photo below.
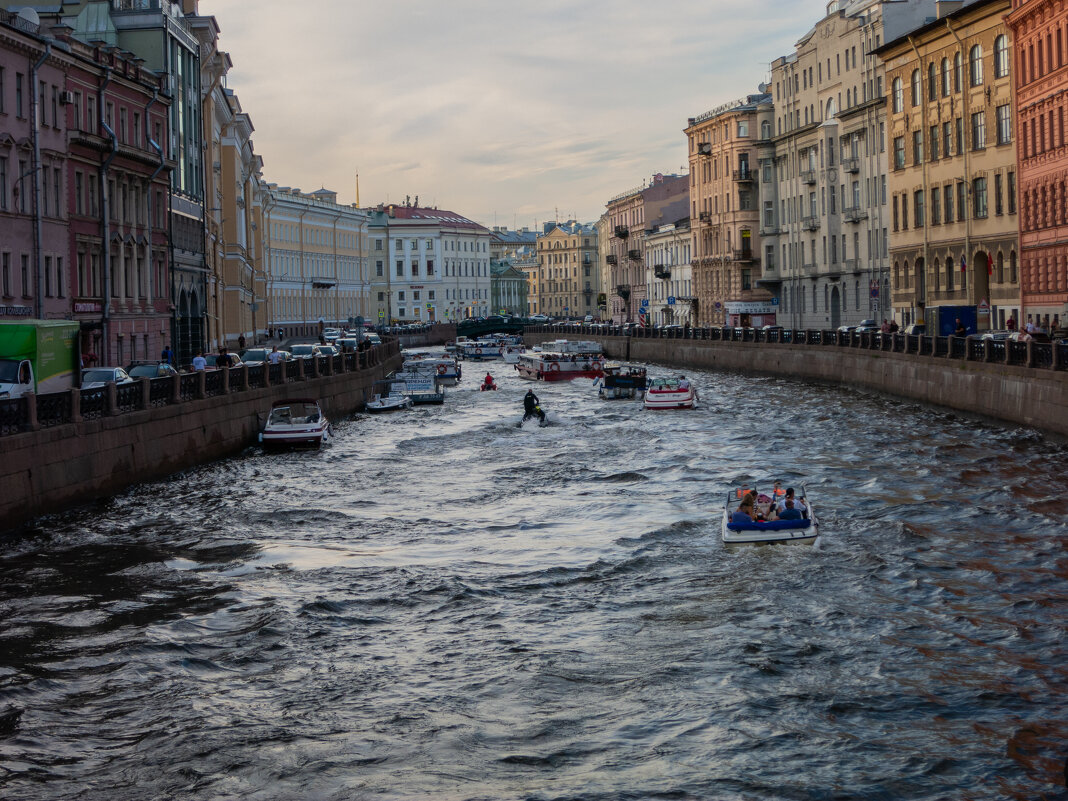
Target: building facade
(1040, 34)
(315, 261)
(954, 229)
(508, 289)
(727, 147)
(567, 279)
(625, 256)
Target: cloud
(492, 108)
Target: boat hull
(563, 374)
(670, 400)
(310, 439)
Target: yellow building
(567, 278)
(954, 231)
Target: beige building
(316, 261)
(727, 147)
(567, 279)
(831, 236)
(954, 230)
(624, 256)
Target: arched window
(949, 274)
(975, 65)
(945, 77)
(958, 70)
(932, 82)
(917, 88)
(1001, 56)
(765, 130)
(899, 96)
(1001, 268)
(937, 275)
(832, 109)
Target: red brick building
(1040, 32)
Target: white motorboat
(387, 403)
(670, 393)
(295, 423)
(764, 532)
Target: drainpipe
(105, 210)
(303, 291)
(35, 169)
(924, 131)
(152, 143)
(965, 86)
(337, 286)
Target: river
(442, 605)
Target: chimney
(944, 8)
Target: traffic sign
(644, 303)
(671, 300)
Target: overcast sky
(508, 113)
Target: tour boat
(481, 350)
(622, 381)
(777, 532)
(295, 423)
(421, 387)
(670, 393)
(511, 353)
(550, 366)
(445, 369)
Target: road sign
(671, 300)
(644, 303)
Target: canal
(443, 605)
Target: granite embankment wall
(1012, 394)
(48, 469)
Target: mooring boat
(670, 393)
(296, 423)
(622, 381)
(774, 532)
(422, 388)
(388, 397)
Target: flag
(989, 264)
(963, 264)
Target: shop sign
(751, 308)
(16, 311)
(88, 307)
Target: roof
(968, 7)
(442, 217)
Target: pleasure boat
(551, 366)
(776, 532)
(421, 387)
(444, 369)
(622, 381)
(296, 423)
(389, 396)
(511, 353)
(670, 393)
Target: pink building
(118, 186)
(34, 237)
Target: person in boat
(789, 512)
(744, 513)
(684, 382)
(798, 504)
(488, 382)
(531, 406)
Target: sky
(511, 113)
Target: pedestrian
(274, 357)
(894, 327)
(167, 356)
(885, 328)
(960, 330)
(1010, 324)
(241, 342)
(199, 362)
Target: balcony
(634, 255)
(851, 165)
(661, 271)
(745, 255)
(743, 176)
(704, 216)
(808, 176)
(770, 230)
(810, 223)
(851, 266)
(622, 232)
(612, 259)
(623, 290)
(854, 214)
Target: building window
(1011, 192)
(958, 72)
(917, 88)
(1003, 114)
(918, 208)
(936, 208)
(400, 269)
(947, 139)
(899, 96)
(999, 208)
(975, 65)
(1001, 56)
(378, 244)
(933, 137)
(743, 127)
(979, 130)
(899, 152)
(945, 77)
(932, 82)
(962, 200)
(947, 194)
(979, 197)
(917, 148)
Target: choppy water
(442, 605)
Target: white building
(428, 265)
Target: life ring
(441, 369)
(554, 367)
(478, 351)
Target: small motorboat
(670, 393)
(622, 381)
(297, 423)
(487, 385)
(387, 403)
(804, 531)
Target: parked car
(374, 339)
(326, 350)
(867, 327)
(995, 335)
(258, 355)
(102, 376)
(347, 344)
(215, 361)
(303, 351)
(768, 328)
(915, 329)
(539, 318)
(330, 334)
(149, 370)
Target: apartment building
(624, 256)
(567, 279)
(954, 228)
(1039, 29)
(731, 154)
(830, 165)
